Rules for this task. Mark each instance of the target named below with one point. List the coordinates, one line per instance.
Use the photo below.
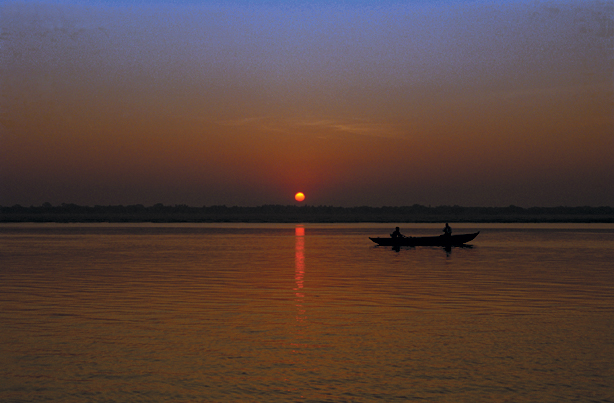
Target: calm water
(306, 313)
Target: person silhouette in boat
(397, 234)
(447, 231)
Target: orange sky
(448, 102)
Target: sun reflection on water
(299, 271)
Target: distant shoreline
(72, 213)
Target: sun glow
(299, 196)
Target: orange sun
(299, 196)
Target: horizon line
(415, 205)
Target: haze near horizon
(470, 103)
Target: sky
(353, 103)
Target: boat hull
(442, 240)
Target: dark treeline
(305, 213)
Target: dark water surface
(307, 313)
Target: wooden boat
(441, 240)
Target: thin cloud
(316, 126)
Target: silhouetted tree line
(305, 213)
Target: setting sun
(299, 196)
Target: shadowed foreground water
(197, 312)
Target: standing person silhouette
(447, 231)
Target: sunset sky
(475, 103)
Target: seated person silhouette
(397, 234)
(447, 231)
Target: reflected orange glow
(299, 257)
(299, 272)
